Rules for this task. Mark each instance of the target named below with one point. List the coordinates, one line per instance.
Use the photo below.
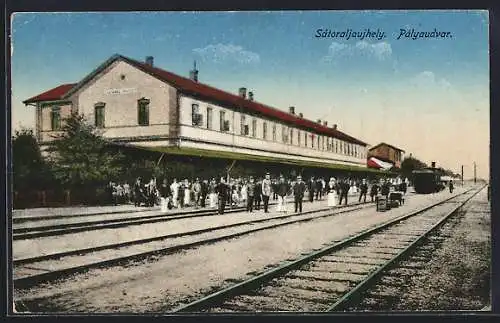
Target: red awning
(378, 164)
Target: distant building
(140, 105)
(385, 156)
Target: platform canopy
(378, 164)
(195, 152)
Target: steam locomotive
(426, 181)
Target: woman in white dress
(332, 193)
(174, 187)
(243, 192)
(187, 193)
(354, 187)
(212, 194)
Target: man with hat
(196, 193)
(203, 192)
(363, 189)
(223, 191)
(344, 190)
(250, 193)
(299, 189)
(310, 187)
(282, 190)
(266, 191)
(258, 194)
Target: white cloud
(221, 52)
(429, 79)
(380, 50)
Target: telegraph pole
(462, 175)
(474, 172)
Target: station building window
(298, 137)
(312, 141)
(210, 113)
(243, 130)
(284, 134)
(274, 132)
(291, 136)
(99, 109)
(305, 139)
(264, 130)
(254, 128)
(223, 123)
(55, 118)
(143, 112)
(195, 115)
(318, 143)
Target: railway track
(31, 232)
(326, 280)
(399, 284)
(34, 270)
(28, 227)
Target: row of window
(99, 115)
(288, 135)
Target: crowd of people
(254, 193)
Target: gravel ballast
(173, 280)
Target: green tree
(29, 169)
(81, 158)
(410, 164)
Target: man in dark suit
(223, 191)
(363, 189)
(298, 193)
(318, 188)
(258, 194)
(204, 193)
(311, 185)
(386, 188)
(344, 190)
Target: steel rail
(59, 229)
(29, 281)
(368, 281)
(254, 282)
(58, 255)
(35, 218)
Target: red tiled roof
(385, 144)
(56, 93)
(196, 88)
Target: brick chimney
(242, 92)
(318, 121)
(250, 96)
(193, 74)
(301, 115)
(334, 127)
(325, 123)
(291, 110)
(149, 60)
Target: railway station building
(145, 108)
(385, 156)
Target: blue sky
(377, 90)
